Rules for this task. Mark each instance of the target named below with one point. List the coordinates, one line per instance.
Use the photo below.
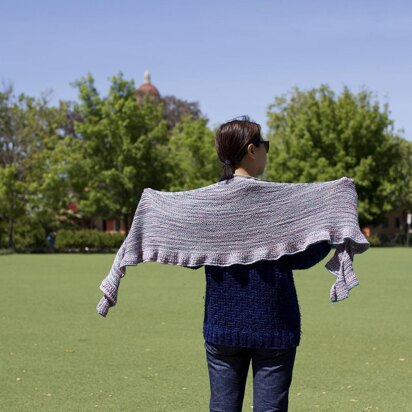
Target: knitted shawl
(242, 220)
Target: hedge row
(87, 239)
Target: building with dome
(147, 89)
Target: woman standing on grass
(261, 231)
(251, 311)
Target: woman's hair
(232, 140)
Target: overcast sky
(233, 57)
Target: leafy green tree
(33, 182)
(404, 168)
(123, 146)
(193, 161)
(317, 136)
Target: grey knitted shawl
(242, 220)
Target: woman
(251, 308)
(251, 311)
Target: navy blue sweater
(256, 305)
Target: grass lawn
(58, 354)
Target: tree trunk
(126, 224)
(10, 234)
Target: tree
(192, 160)
(176, 109)
(404, 168)
(318, 136)
(33, 182)
(123, 146)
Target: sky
(233, 57)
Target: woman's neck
(240, 171)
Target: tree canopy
(123, 145)
(317, 135)
(32, 175)
(192, 156)
(100, 152)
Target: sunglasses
(266, 143)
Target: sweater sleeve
(309, 257)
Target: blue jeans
(228, 369)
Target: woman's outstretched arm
(312, 255)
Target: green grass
(58, 354)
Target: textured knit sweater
(242, 221)
(256, 305)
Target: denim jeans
(228, 369)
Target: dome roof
(147, 87)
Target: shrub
(87, 238)
(29, 234)
(401, 239)
(374, 240)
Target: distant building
(147, 89)
(391, 229)
(111, 225)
